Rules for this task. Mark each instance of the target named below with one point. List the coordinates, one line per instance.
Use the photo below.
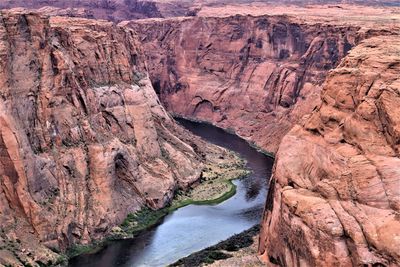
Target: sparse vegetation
(62, 259)
(221, 250)
(142, 220)
(138, 76)
(146, 217)
(84, 249)
(214, 187)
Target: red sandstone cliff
(118, 10)
(83, 137)
(113, 10)
(254, 75)
(334, 197)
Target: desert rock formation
(334, 197)
(113, 10)
(254, 75)
(335, 192)
(83, 137)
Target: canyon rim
(89, 143)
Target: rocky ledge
(335, 192)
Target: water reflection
(193, 228)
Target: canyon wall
(113, 10)
(254, 75)
(334, 196)
(83, 137)
(119, 10)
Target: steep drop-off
(334, 198)
(254, 75)
(83, 137)
(335, 192)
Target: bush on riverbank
(214, 187)
(219, 251)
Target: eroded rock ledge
(335, 191)
(83, 138)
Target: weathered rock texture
(254, 75)
(118, 10)
(335, 192)
(114, 10)
(371, 14)
(83, 137)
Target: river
(192, 228)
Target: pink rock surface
(113, 10)
(335, 192)
(83, 138)
(254, 75)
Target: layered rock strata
(113, 10)
(335, 192)
(254, 75)
(118, 10)
(83, 138)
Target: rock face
(254, 75)
(113, 10)
(83, 137)
(119, 10)
(335, 191)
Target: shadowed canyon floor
(86, 135)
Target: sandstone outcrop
(334, 196)
(83, 137)
(119, 10)
(113, 10)
(254, 75)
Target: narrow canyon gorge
(88, 135)
(334, 193)
(84, 139)
(254, 75)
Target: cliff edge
(83, 138)
(334, 196)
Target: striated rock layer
(335, 192)
(83, 137)
(119, 10)
(114, 10)
(254, 75)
